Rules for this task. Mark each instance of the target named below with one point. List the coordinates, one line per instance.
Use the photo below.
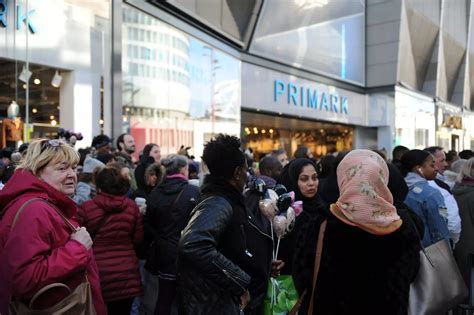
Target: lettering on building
(22, 17)
(301, 96)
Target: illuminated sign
(302, 96)
(21, 17)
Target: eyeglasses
(50, 144)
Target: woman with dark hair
(220, 261)
(154, 174)
(151, 154)
(301, 177)
(418, 167)
(116, 227)
(169, 206)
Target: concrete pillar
(80, 104)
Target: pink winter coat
(114, 243)
(39, 251)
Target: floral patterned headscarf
(365, 200)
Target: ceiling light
(270, 131)
(25, 75)
(24, 86)
(101, 121)
(54, 122)
(255, 130)
(34, 110)
(263, 131)
(56, 81)
(51, 117)
(36, 81)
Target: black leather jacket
(218, 254)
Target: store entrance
(43, 99)
(264, 133)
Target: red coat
(39, 251)
(114, 243)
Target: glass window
(45, 62)
(181, 95)
(329, 36)
(233, 17)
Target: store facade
(284, 111)
(55, 68)
(178, 72)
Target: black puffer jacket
(164, 225)
(219, 255)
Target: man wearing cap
(101, 144)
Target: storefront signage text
(310, 98)
(21, 17)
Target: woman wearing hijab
(301, 177)
(370, 255)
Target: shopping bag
(281, 296)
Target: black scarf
(289, 178)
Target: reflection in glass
(321, 35)
(177, 90)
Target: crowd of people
(171, 235)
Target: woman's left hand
(277, 266)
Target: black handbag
(152, 255)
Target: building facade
(331, 75)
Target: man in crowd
(125, 147)
(452, 215)
(281, 155)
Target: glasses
(50, 144)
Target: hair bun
(166, 162)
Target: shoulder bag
(439, 286)
(317, 264)
(78, 302)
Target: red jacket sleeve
(41, 252)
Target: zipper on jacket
(257, 228)
(245, 241)
(229, 275)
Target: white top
(454, 220)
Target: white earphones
(421, 172)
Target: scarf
(365, 200)
(289, 179)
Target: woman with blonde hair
(37, 247)
(463, 192)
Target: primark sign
(22, 16)
(309, 97)
(271, 91)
